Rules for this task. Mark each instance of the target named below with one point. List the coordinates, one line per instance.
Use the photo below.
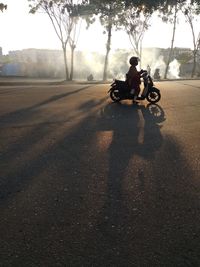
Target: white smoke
(49, 63)
(118, 64)
(151, 57)
(89, 63)
(154, 59)
(159, 64)
(174, 70)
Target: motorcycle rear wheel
(114, 95)
(153, 96)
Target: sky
(21, 30)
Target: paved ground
(85, 182)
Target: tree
(171, 17)
(112, 15)
(155, 4)
(109, 14)
(2, 7)
(169, 13)
(61, 14)
(73, 41)
(136, 22)
(190, 11)
(109, 18)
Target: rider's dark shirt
(133, 78)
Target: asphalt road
(86, 182)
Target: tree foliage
(150, 5)
(60, 14)
(109, 13)
(191, 13)
(136, 22)
(63, 15)
(169, 13)
(133, 16)
(2, 7)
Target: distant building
(186, 69)
(41, 63)
(45, 63)
(11, 69)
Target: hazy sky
(20, 30)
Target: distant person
(90, 78)
(133, 77)
(149, 69)
(157, 74)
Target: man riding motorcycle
(133, 77)
(130, 88)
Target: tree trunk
(140, 54)
(72, 62)
(108, 46)
(194, 64)
(172, 43)
(195, 49)
(65, 62)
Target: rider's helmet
(134, 61)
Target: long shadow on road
(111, 192)
(27, 112)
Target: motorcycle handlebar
(143, 73)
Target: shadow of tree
(28, 112)
(111, 191)
(33, 142)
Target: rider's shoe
(135, 98)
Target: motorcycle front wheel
(153, 96)
(114, 95)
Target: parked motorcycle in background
(120, 90)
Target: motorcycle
(120, 90)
